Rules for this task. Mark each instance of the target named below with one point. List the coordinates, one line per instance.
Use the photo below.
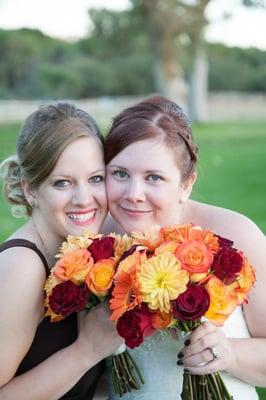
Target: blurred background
(207, 55)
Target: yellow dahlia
(161, 280)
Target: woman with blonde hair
(58, 178)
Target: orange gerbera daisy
(178, 233)
(186, 232)
(126, 293)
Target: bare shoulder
(110, 225)
(228, 223)
(23, 263)
(22, 277)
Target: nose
(82, 195)
(135, 192)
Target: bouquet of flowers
(175, 277)
(82, 278)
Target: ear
(29, 193)
(186, 188)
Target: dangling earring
(33, 202)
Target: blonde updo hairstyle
(43, 137)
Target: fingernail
(179, 362)
(180, 355)
(187, 342)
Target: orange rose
(100, 276)
(74, 266)
(195, 257)
(161, 320)
(223, 301)
(245, 281)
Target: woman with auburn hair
(151, 157)
(57, 179)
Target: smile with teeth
(81, 217)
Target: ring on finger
(214, 353)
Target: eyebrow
(69, 176)
(117, 166)
(148, 171)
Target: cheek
(54, 200)
(102, 199)
(165, 202)
(113, 189)
(161, 197)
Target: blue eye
(96, 179)
(120, 174)
(62, 183)
(154, 178)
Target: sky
(69, 20)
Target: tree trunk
(198, 94)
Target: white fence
(221, 107)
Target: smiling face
(73, 198)
(144, 186)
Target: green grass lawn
(231, 171)
(232, 167)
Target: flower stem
(126, 375)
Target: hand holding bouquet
(81, 279)
(173, 277)
(165, 278)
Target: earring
(33, 202)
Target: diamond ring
(214, 353)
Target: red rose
(192, 304)
(102, 248)
(227, 263)
(134, 326)
(67, 298)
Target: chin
(133, 226)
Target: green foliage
(114, 60)
(236, 69)
(231, 167)
(21, 53)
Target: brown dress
(52, 337)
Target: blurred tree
(114, 60)
(119, 45)
(166, 21)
